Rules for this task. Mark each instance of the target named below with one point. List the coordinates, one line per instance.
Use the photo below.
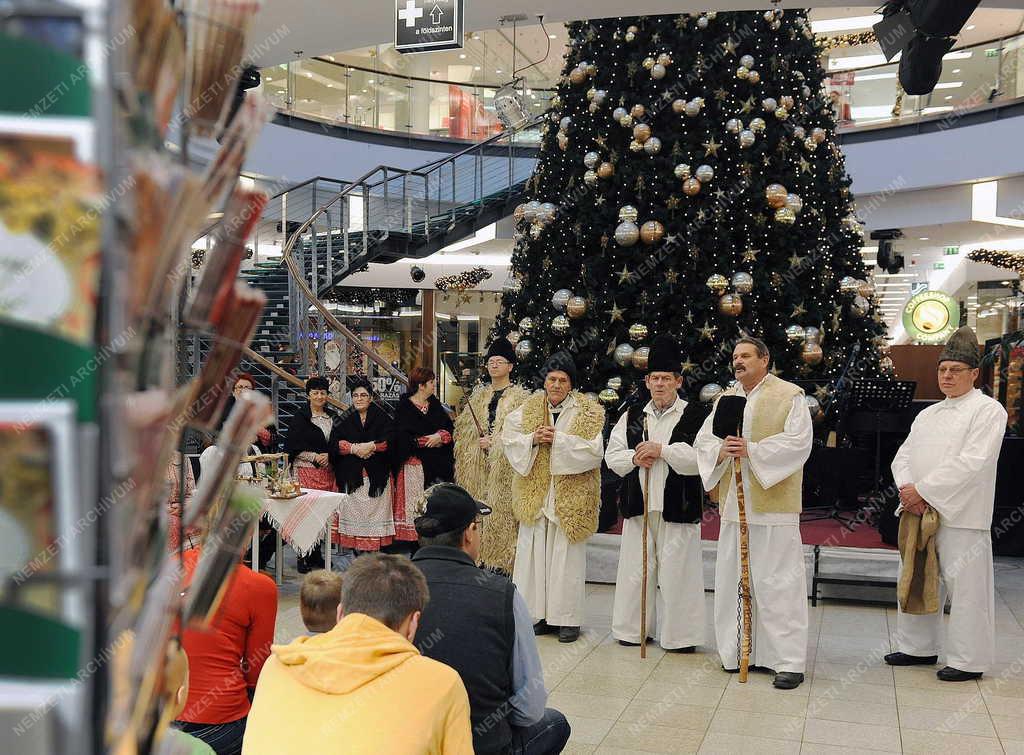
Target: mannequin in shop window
(309, 450)
(423, 452)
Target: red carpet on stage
(827, 532)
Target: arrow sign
(422, 25)
(435, 15)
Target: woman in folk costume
(772, 446)
(555, 445)
(480, 464)
(423, 448)
(651, 447)
(948, 464)
(309, 450)
(363, 470)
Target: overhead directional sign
(425, 25)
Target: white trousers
(675, 612)
(778, 585)
(551, 573)
(965, 565)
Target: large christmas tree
(689, 183)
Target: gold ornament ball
(577, 75)
(781, 113)
(636, 146)
(757, 125)
(518, 213)
(593, 107)
(637, 332)
(608, 397)
(785, 216)
(649, 62)
(641, 132)
(626, 121)
(865, 289)
(818, 134)
(576, 307)
(652, 232)
(787, 101)
(730, 305)
(590, 178)
(848, 285)
(605, 170)
(560, 325)
(591, 93)
(691, 187)
(682, 171)
(810, 145)
(754, 77)
(742, 72)
(664, 59)
(717, 284)
(678, 106)
(556, 101)
(630, 36)
(563, 141)
(812, 354)
(615, 383)
(640, 357)
(658, 72)
(591, 69)
(886, 364)
(637, 111)
(775, 194)
(629, 212)
(652, 146)
(632, 29)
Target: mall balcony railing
(866, 97)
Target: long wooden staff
(643, 580)
(479, 429)
(744, 585)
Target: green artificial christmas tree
(689, 182)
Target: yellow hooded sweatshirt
(359, 688)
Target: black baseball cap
(448, 508)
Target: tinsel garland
(827, 44)
(463, 281)
(1005, 260)
(392, 297)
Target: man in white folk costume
(480, 464)
(772, 448)
(555, 446)
(651, 448)
(948, 463)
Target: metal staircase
(329, 229)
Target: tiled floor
(851, 701)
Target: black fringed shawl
(411, 423)
(348, 468)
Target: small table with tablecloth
(301, 522)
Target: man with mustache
(772, 447)
(948, 463)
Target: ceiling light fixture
(830, 25)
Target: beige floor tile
(688, 675)
(611, 649)
(721, 743)
(921, 677)
(684, 693)
(1009, 727)
(625, 736)
(644, 713)
(877, 714)
(969, 700)
(599, 684)
(1013, 746)
(1002, 687)
(759, 700)
(933, 742)
(852, 691)
(812, 748)
(588, 731)
(745, 723)
(1002, 706)
(881, 675)
(866, 736)
(577, 748)
(593, 706)
(958, 721)
(628, 668)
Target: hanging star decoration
(799, 310)
(719, 193)
(701, 215)
(748, 105)
(681, 22)
(600, 140)
(462, 281)
(667, 95)
(672, 202)
(632, 67)
(823, 393)
(626, 275)
(599, 199)
(688, 366)
(760, 218)
(616, 313)
(775, 371)
(604, 240)
(751, 255)
(721, 95)
(671, 276)
(546, 264)
(464, 298)
(729, 46)
(656, 38)
(775, 278)
(796, 261)
(708, 331)
(711, 147)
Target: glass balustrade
(863, 97)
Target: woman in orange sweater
(225, 661)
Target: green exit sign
(938, 266)
(951, 251)
(992, 52)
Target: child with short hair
(318, 600)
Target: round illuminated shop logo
(931, 317)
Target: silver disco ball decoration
(623, 355)
(560, 299)
(710, 392)
(510, 108)
(524, 348)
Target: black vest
(684, 494)
(468, 625)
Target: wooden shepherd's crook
(744, 573)
(643, 580)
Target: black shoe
(628, 644)
(686, 650)
(787, 680)
(902, 659)
(568, 634)
(542, 627)
(950, 674)
(302, 565)
(730, 670)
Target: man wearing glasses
(948, 463)
(480, 466)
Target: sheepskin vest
(577, 496)
(773, 404)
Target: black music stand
(879, 397)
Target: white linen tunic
(950, 455)
(549, 571)
(676, 612)
(778, 578)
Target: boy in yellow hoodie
(362, 687)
